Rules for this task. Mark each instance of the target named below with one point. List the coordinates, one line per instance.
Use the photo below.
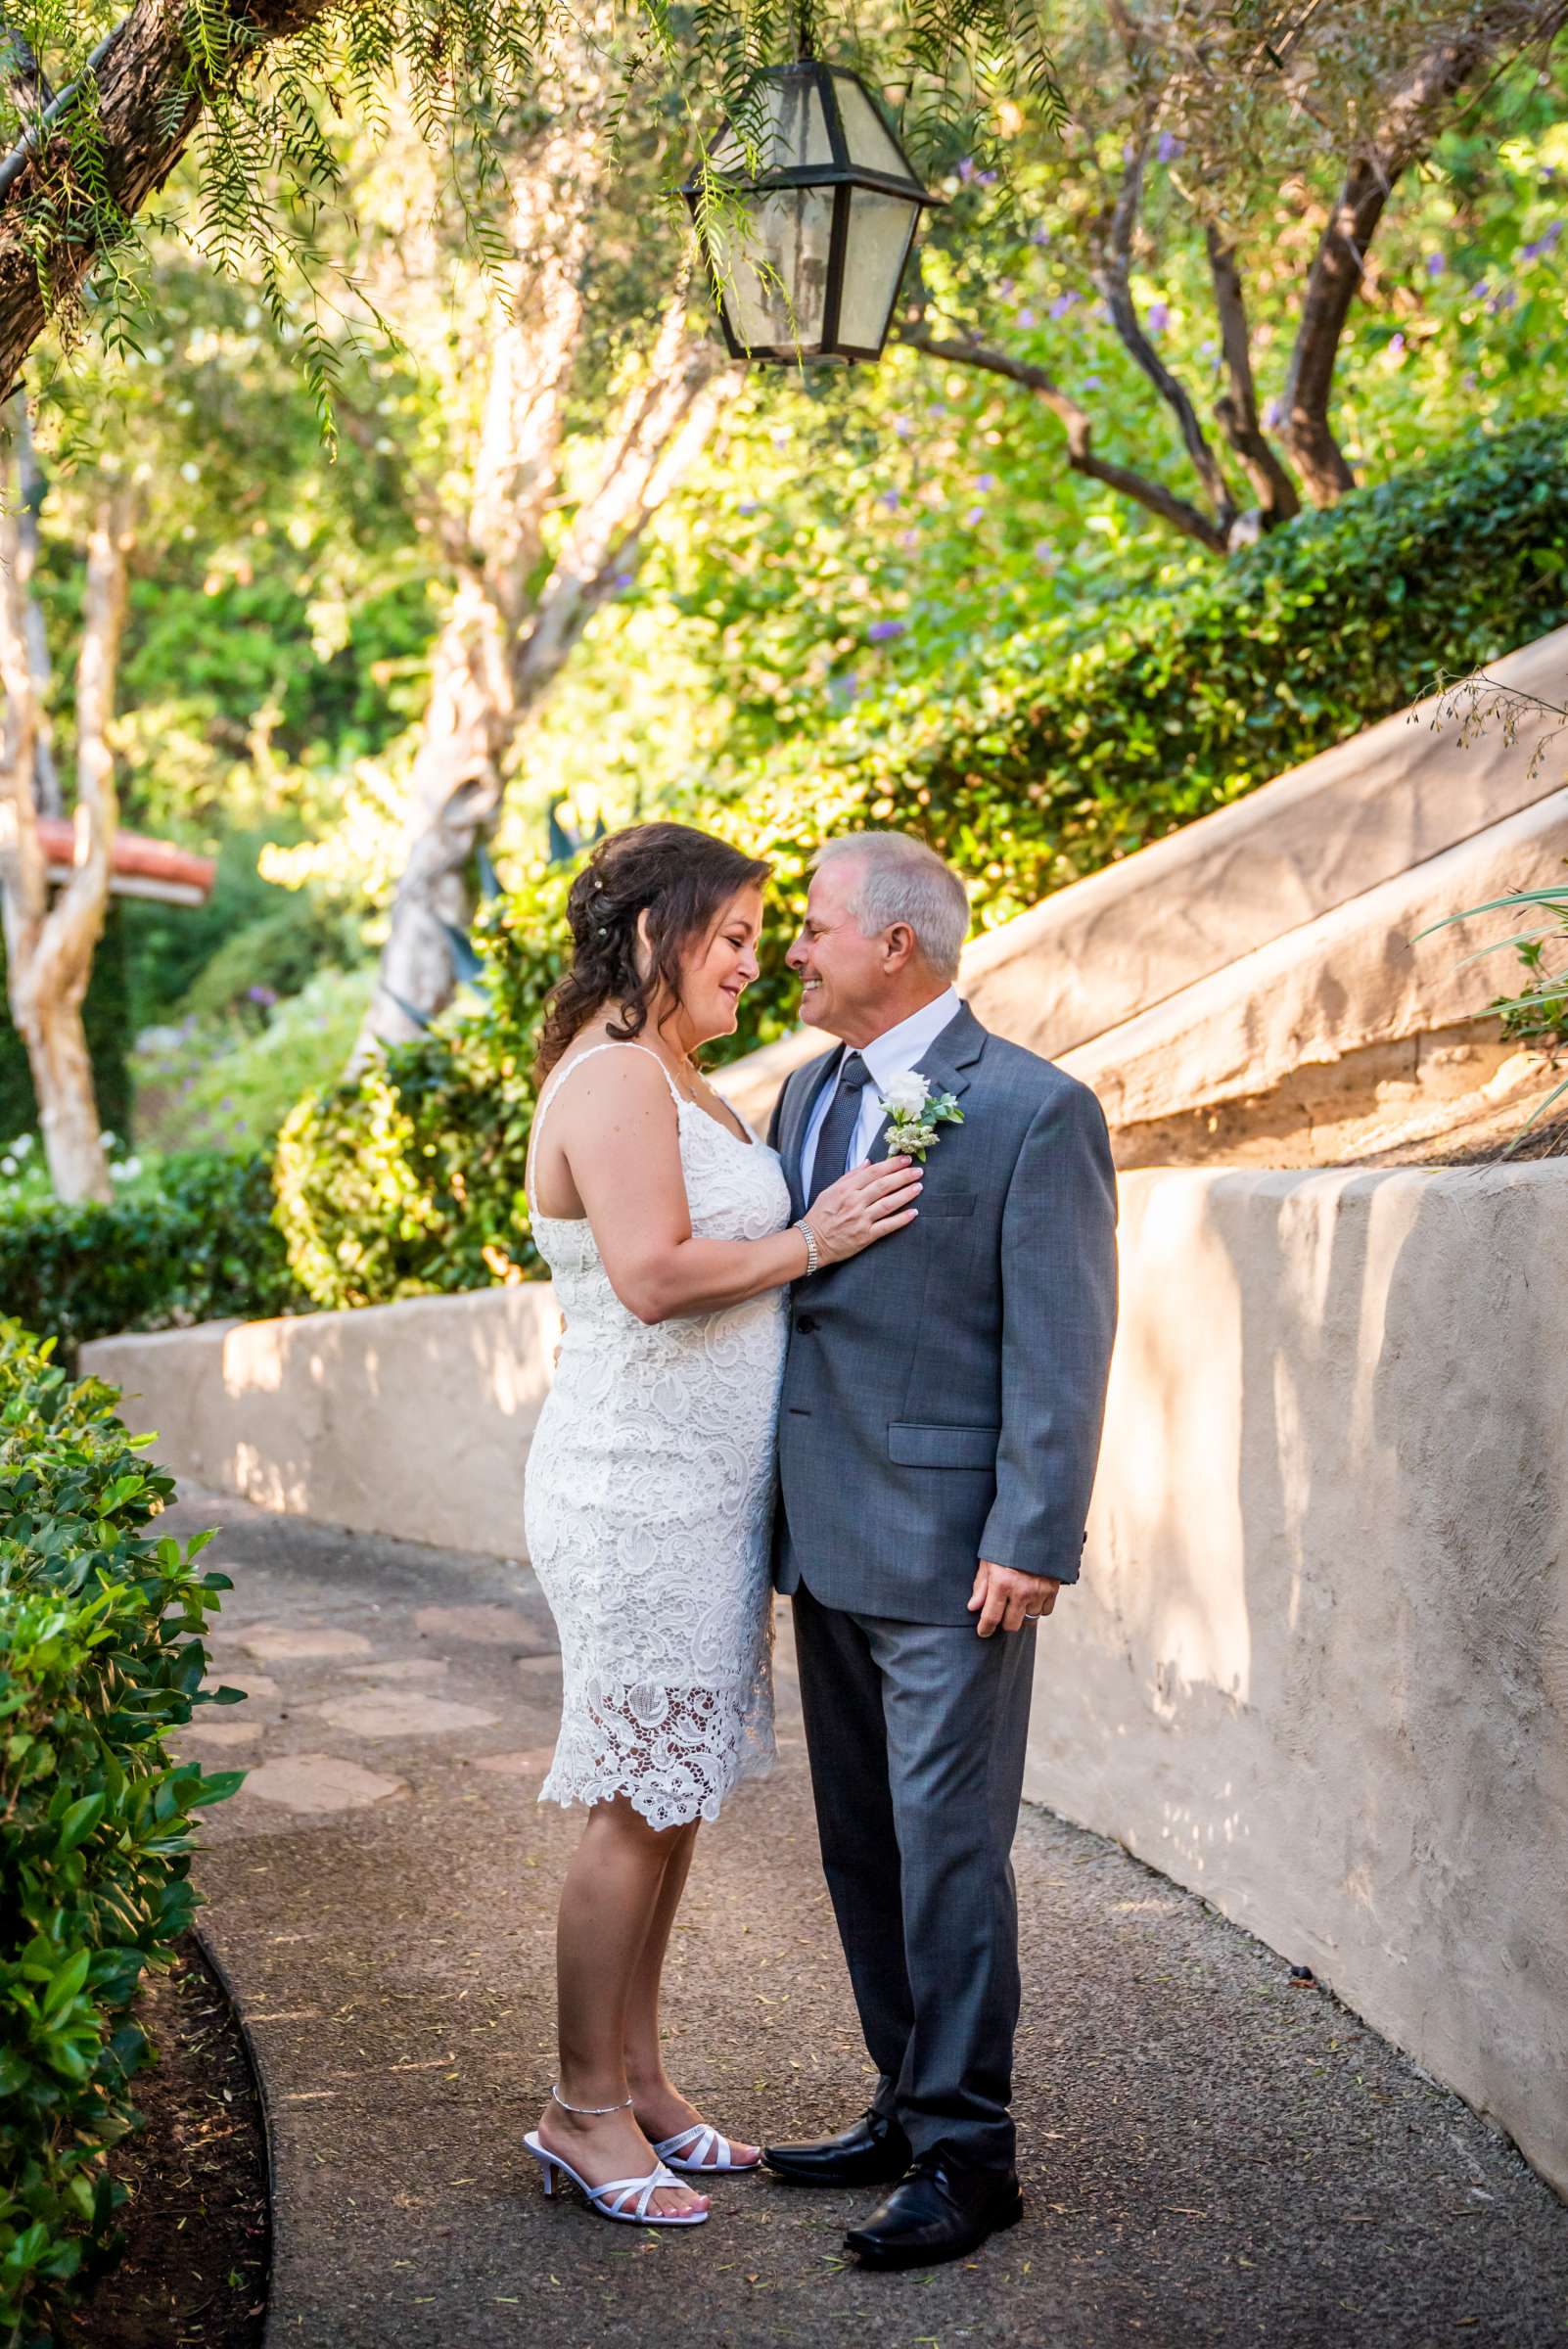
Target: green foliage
(193, 1240)
(1054, 753)
(277, 86)
(101, 1654)
(411, 1180)
(1538, 1014)
(228, 1083)
(856, 533)
(1046, 757)
(1536, 1017)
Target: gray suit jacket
(944, 1389)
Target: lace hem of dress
(673, 1753)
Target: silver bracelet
(809, 1237)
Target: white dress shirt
(893, 1054)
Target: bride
(666, 1224)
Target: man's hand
(1007, 1599)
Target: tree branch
(1409, 121)
(25, 82)
(1179, 512)
(1111, 275)
(1237, 407)
(147, 102)
(661, 427)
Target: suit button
(805, 1323)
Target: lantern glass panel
(880, 230)
(870, 143)
(786, 235)
(792, 127)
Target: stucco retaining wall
(411, 1419)
(1317, 1664)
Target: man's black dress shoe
(872, 2152)
(944, 2210)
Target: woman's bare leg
(660, 2105)
(607, 1903)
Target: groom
(940, 1423)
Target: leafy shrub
(1050, 756)
(228, 1083)
(411, 1180)
(194, 1240)
(101, 1653)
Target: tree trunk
(455, 789)
(502, 647)
(49, 948)
(1413, 114)
(30, 484)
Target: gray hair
(901, 880)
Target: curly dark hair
(682, 879)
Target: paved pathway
(1210, 2155)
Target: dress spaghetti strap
(560, 1076)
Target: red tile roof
(142, 866)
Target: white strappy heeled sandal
(688, 2151)
(610, 2202)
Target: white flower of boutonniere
(914, 1113)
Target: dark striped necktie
(834, 1141)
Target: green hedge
(101, 1653)
(193, 1244)
(1049, 757)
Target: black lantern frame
(842, 173)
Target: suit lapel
(944, 1064)
(800, 1094)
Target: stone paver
(1210, 2156)
(403, 1713)
(317, 1782)
(279, 1644)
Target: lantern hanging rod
(805, 33)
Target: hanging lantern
(810, 268)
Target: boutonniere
(914, 1113)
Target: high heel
(679, 2152)
(607, 2200)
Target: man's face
(845, 983)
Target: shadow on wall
(1318, 1667)
(410, 1418)
(1402, 1488)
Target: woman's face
(715, 976)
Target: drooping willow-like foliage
(98, 102)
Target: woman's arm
(617, 1128)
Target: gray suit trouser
(916, 1735)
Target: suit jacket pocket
(914, 1444)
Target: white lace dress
(649, 1503)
